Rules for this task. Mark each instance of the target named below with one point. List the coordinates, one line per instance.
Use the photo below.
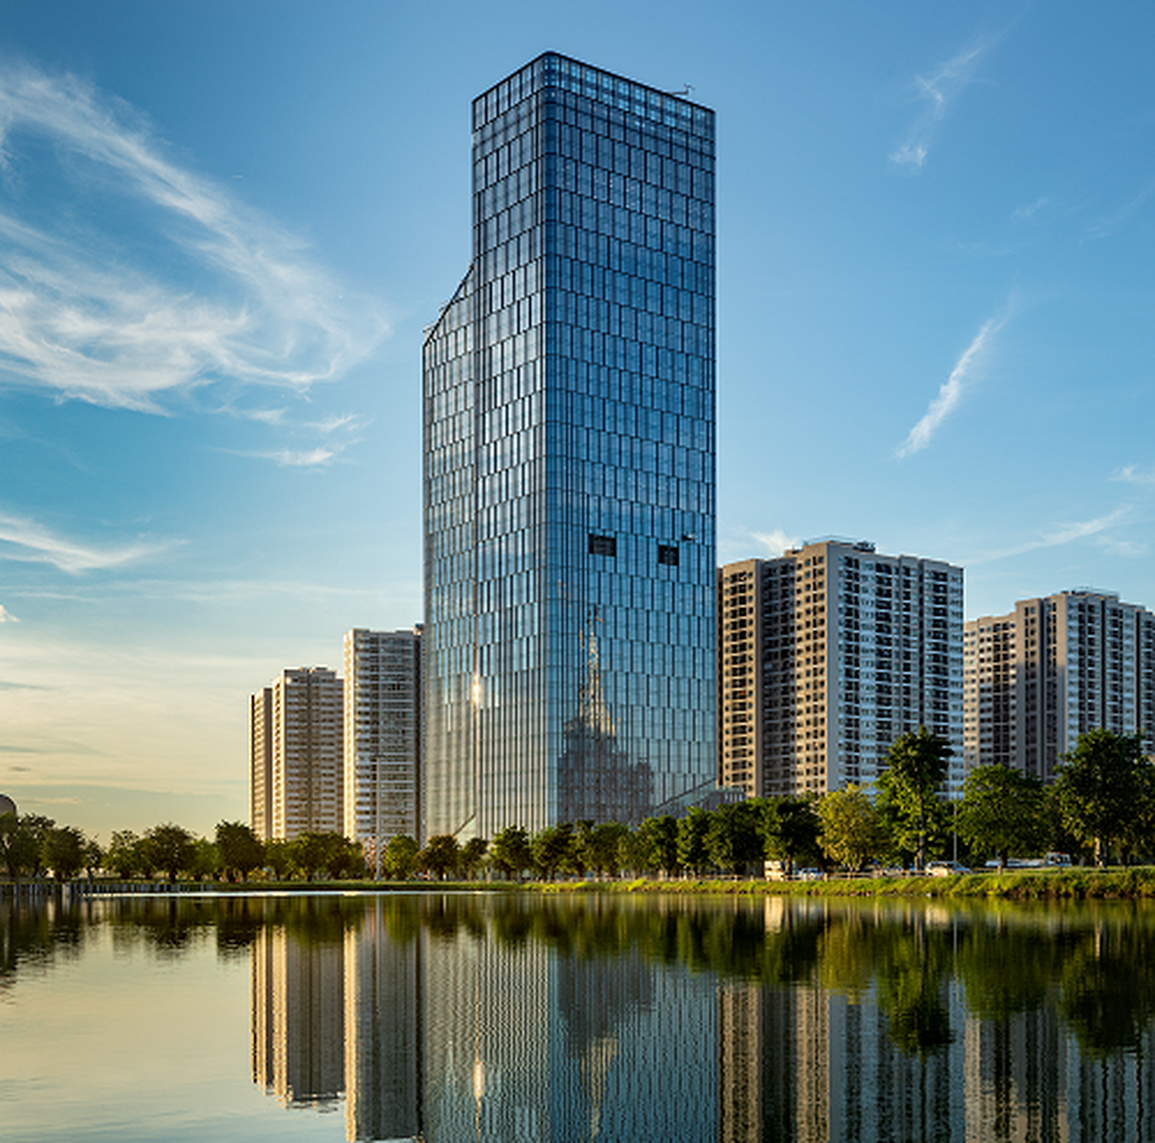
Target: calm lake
(450, 1017)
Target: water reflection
(441, 1017)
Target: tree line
(1102, 802)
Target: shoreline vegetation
(1074, 884)
(1135, 883)
(1101, 806)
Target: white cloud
(1132, 474)
(197, 288)
(296, 458)
(336, 421)
(6, 616)
(1027, 213)
(936, 90)
(776, 542)
(25, 540)
(1067, 534)
(1117, 219)
(952, 390)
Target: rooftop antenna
(685, 90)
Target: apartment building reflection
(1016, 1079)
(382, 1049)
(298, 1018)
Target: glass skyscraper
(569, 464)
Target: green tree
(631, 854)
(124, 854)
(206, 862)
(851, 832)
(37, 828)
(93, 856)
(62, 851)
(604, 848)
(1138, 838)
(733, 838)
(19, 846)
(658, 844)
(1102, 785)
(241, 851)
(347, 859)
(910, 792)
(553, 849)
(577, 859)
(439, 856)
(472, 856)
(510, 851)
(315, 852)
(790, 829)
(693, 853)
(400, 857)
(1002, 812)
(279, 857)
(170, 848)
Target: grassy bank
(1020, 885)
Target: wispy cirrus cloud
(125, 276)
(289, 457)
(6, 616)
(936, 90)
(1031, 210)
(25, 540)
(952, 390)
(338, 430)
(1133, 474)
(1117, 219)
(1068, 533)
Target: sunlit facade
(382, 728)
(296, 755)
(826, 656)
(569, 463)
(1053, 669)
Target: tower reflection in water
(445, 1018)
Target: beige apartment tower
(1052, 669)
(296, 754)
(382, 736)
(826, 656)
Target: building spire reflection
(597, 780)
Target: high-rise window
(569, 463)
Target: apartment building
(296, 755)
(382, 728)
(1052, 669)
(826, 656)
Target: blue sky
(224, 225)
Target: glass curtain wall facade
(569, 463)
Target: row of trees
(32, 846)
(1103, 800)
